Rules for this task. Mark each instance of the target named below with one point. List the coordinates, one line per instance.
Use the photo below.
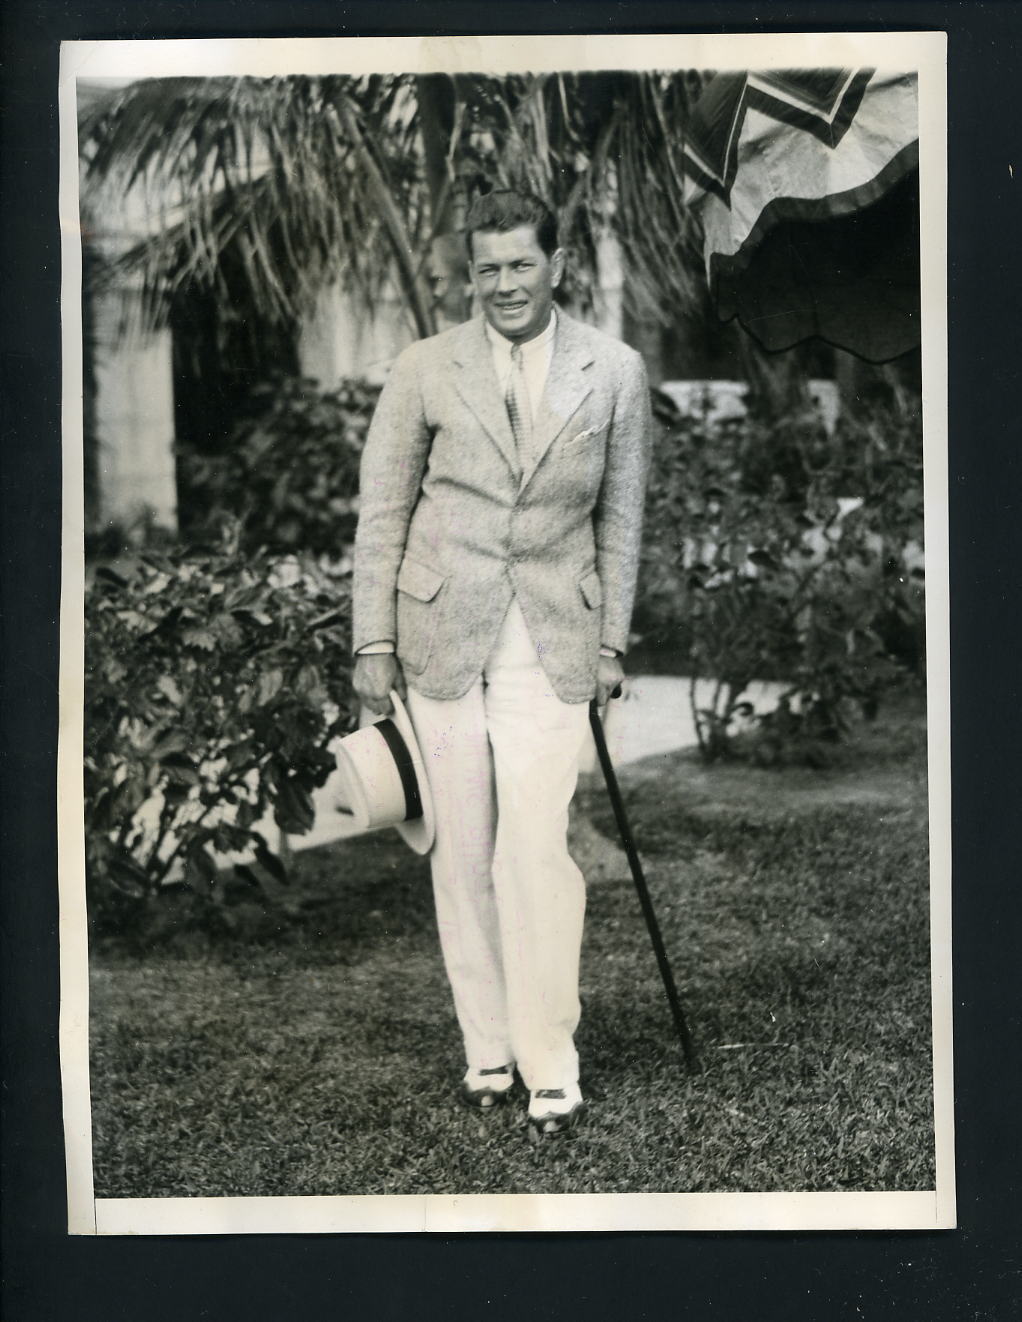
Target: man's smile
(515, 280)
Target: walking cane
(684, 1036)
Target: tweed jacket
(451, 524)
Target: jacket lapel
(477, 385)
(568, 384)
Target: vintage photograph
(506, 570)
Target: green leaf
(181, 769)
(200, 638)
(228, 837)
(307, 683)
(167, 685)
(127, 875)
(226, 630)
(176, 791)
(245, 874)
(129, 796)
(109, 575)
(246, 814)
(328, 620)
(238, 755)
(259, 617)
(132, 619)
(171, 740)
(200, 869)
(270, 861)
(293, 811)
(270, 684)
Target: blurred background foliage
(288, 473)
(215, 679)
(776, 551)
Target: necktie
(519, 411)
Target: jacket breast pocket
(587, 435)
(418, 588)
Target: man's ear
(557, 266)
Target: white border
(73, 926)
(932, 1209)
(525, 1213)
(933, 318)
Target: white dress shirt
(537, 355)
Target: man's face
(515, 280)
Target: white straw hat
(384, 779)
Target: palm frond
(605, 151)
(263, 189)
(255, 176)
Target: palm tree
(261, 188)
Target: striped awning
(806, 181)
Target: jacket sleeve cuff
(381, 648)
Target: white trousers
(502, 763)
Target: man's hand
(609, 674)
(375, 676)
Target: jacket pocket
(417, 612)
(418, 580)
(592, 592)
(580, 437)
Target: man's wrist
(382, 647)
(610, 652)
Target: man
(495, 563)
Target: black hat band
(405, 767)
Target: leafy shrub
(214, 681)
(774, 551)
(288, 472)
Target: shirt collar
(504, 345)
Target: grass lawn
(316, 1051)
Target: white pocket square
(585, 435)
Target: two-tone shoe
(487, 1088)
(554, 1111)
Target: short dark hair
(505, 209)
